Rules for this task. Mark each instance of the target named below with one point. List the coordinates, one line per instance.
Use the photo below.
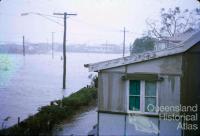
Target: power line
(51, 16)
(107, 29)
(97, 26)
(50, 19)
(42, 15)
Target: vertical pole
(23, 46)
(124, 42)
(64, 45)
(107, 49)
(64, 52)
(97, 123)
(18, 120)
(52, 47)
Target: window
(142, 95)
(150, 96)
(134, 95)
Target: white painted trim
(157, 93)
(127, 94)
(142, 98)
(142, 95)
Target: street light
(65, 14)
(44, 16)
(28, 13)
(36, 13)
(24, 14)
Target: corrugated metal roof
(188, 39)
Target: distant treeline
(31, 48)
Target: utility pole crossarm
(58, 13)
(65, 13)
(71, 14)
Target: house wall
(113, 97)
(112, 91)
(166, 65)
(169, 91)
(123, 124)
(190, 85)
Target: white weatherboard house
(140, 95)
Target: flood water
(27, 83)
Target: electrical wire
(48, 15)
(104, 28)
(44, 16)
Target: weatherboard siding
(113, 90)
(169, 91)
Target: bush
(48, 116)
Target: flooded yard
(27, 83)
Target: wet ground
(80, 125)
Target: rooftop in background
(183, 36)
(186, 41)
(175, 40)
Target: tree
(173, 21)
(142, 44)
(94, 80)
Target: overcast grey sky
(97, 21)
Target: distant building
(169, 42)
(133, 88)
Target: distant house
(152, 93)
(173, 41)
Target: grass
(48, 116)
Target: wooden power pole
(65, 14)
(52, 46)
(124, 41)
(23, 45)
